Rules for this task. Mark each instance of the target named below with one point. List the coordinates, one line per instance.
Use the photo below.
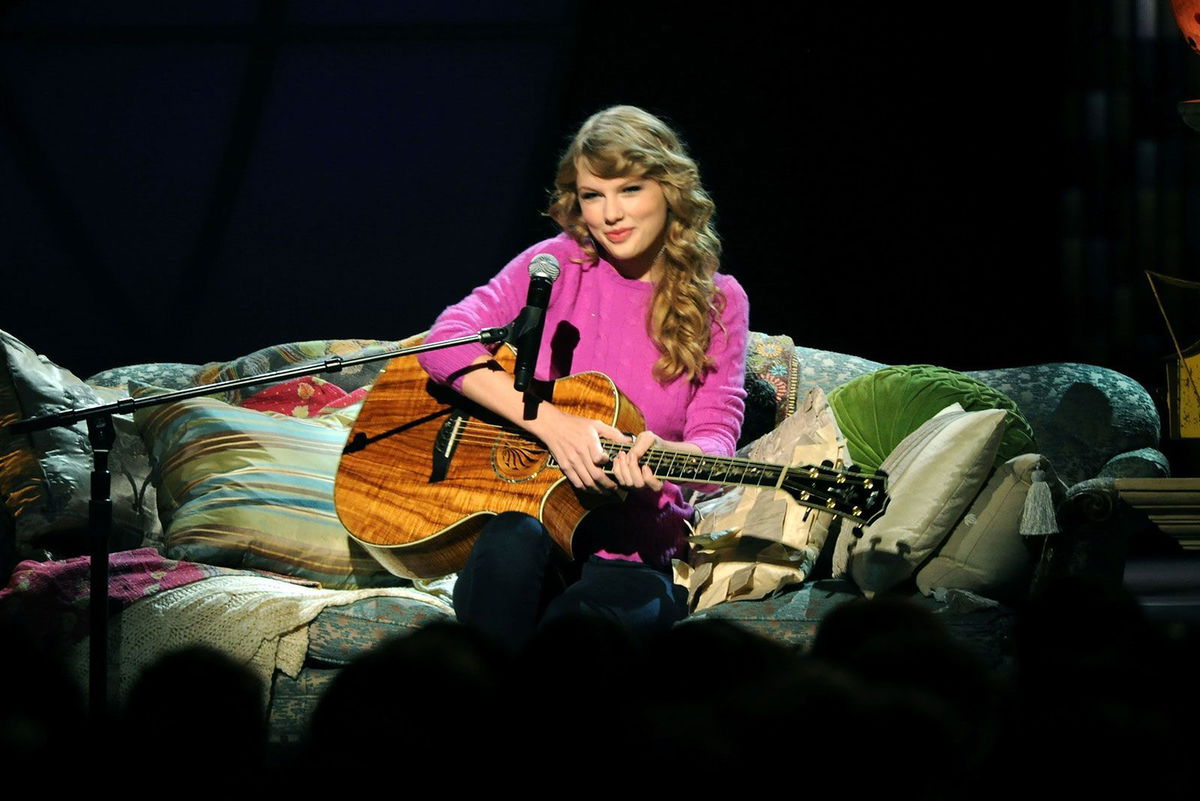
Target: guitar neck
(854, 496)
(699, 469)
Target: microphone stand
(101, 435)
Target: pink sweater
(596, 320)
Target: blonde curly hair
(623, 142)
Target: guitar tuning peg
(857, 531)
(853, 468)
(827, 464)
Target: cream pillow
(985, 553)
(933, 475)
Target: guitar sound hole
(516, 463)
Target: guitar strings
(488, 435)
(720, 468)
(480, 433)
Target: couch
(272, 562)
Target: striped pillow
(242, 488)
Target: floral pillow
(303, 397)
(773, 359)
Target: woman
(639, 298)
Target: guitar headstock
(844, 491)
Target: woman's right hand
(575, 444)
(574, 441)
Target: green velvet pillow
(878, 410)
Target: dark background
(190, 181)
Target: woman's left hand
(627, 468)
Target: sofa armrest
(1141, 463)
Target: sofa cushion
(45, 476)
(933, 475)
(878, 410)
(243, 488)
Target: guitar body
(424, 469)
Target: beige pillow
(749, 541)
(985, 553)
(934, 474)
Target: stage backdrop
(190, 181)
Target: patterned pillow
(45, 476)
(303, 397)
(773, 359)
(242, 488)
(292, 354)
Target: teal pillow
(878, 410)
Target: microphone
(527, 328)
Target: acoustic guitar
(424, 469)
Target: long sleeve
(714, 415)
(651, 525)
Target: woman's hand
(575, 444)
(573, 441)
(627, 467)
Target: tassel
(1038, 518)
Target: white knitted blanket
(258, 621)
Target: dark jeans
(516, 579)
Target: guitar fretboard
(859, 497)
(826, 488)
(692, 467)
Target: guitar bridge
(444, 445)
